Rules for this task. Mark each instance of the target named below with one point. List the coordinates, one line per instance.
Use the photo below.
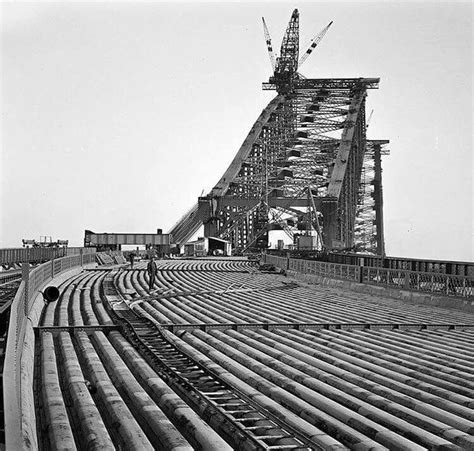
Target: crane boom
(315, 41)
(368, 120)
(268, 40)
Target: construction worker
(152, 270)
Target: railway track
(9, 284)
(241, 421)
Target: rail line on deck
(242, 422)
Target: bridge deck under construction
(227, 357)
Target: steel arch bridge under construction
(305, 167)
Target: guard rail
(428, 282)
(458, 268)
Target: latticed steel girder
(368, 230)
(302, 84)
(303, 166)
(307, 140)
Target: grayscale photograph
(236, 225)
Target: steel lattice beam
(369, 234)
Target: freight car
(12, 256)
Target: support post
(378, 198)
(407, 280)
(208, 207)
(329, 210)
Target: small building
(207, 246)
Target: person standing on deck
(152, 270)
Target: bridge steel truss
(306, 165)
(306, 161)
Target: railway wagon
(31, 255)
(114, 241)
(14, 256)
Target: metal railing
(428, 282)
(453, 267)
(445, 284)
(22, 304)
(279, 262)
(332, 270)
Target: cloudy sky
(116, 116)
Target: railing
(458, 268)
(280, 262)
(446, 284)
(19, 319)
(332, 270)
(430, 282)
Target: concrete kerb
(20, 427)
(410, 297)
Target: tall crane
(369, 119)
(268, 41)
(314, 43)
(285, 67)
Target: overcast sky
(116, 116)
